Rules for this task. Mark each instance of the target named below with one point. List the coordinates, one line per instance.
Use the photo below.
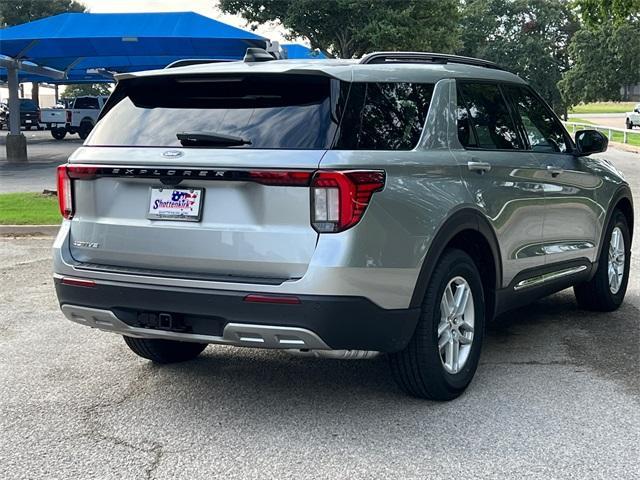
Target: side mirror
(590, 141)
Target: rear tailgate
(53, 115)
(247, 230)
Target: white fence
(573, 126)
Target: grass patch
(29, 209)
(603, 107)
(632, 138)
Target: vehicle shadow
(260, 384)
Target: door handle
(480, 167)
(554, 171)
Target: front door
(571, 213)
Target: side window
(487, 122)
(543, 130)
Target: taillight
(68, 116)
(67, 173)
(340, 198)
(65, 197)
(283, 178)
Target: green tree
(599, 12)
(605, 59)
(351, 28)
(86, 89)
(15, 12)
(527, 37)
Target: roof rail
(425, 57)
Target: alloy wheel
(616, 260)
(455, 330)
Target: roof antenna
(257, 55)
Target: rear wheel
(58, 133)
(85, 129)
(164, 351)
(606, 290)
(629, 124)
(442, 356)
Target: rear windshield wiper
(209, 139)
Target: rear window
(264, 111)
(86, 103)
(27, 105)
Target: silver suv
(393, 204)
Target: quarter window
(544, 132)
(384, 116)
(484, 120)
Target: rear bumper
(211, 316)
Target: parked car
(54, 119)
(29, 114)
(394, 204)
(633, 118)
(80, 118)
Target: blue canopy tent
(84, 47)
(297, 51)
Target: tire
(85, 129)
(420, 368)
(601, 294)
(164, 351)
(58, 133)
(629, 124)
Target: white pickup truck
(633, 118)
(80, 118)
(50, 117)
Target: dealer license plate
(184, 204)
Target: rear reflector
(283, 299)
(78, 282)
(340, 198)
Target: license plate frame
(175, 195)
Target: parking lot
(45, 154)
(557, 395)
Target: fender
(461, 220)
(624, 192)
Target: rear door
(174, 139)
(572, 213)
(504, 179)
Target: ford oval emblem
(172, 154)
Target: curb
(625, 147)
(29, 230)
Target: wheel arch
(623, 201)
(470, 231)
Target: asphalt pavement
(556, 396)
(45, 154)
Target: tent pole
(16, 142)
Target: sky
(208, 8)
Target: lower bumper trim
(237, 334)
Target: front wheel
(442, 356)
(164, 351)
(606, 290)
(629, 124)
